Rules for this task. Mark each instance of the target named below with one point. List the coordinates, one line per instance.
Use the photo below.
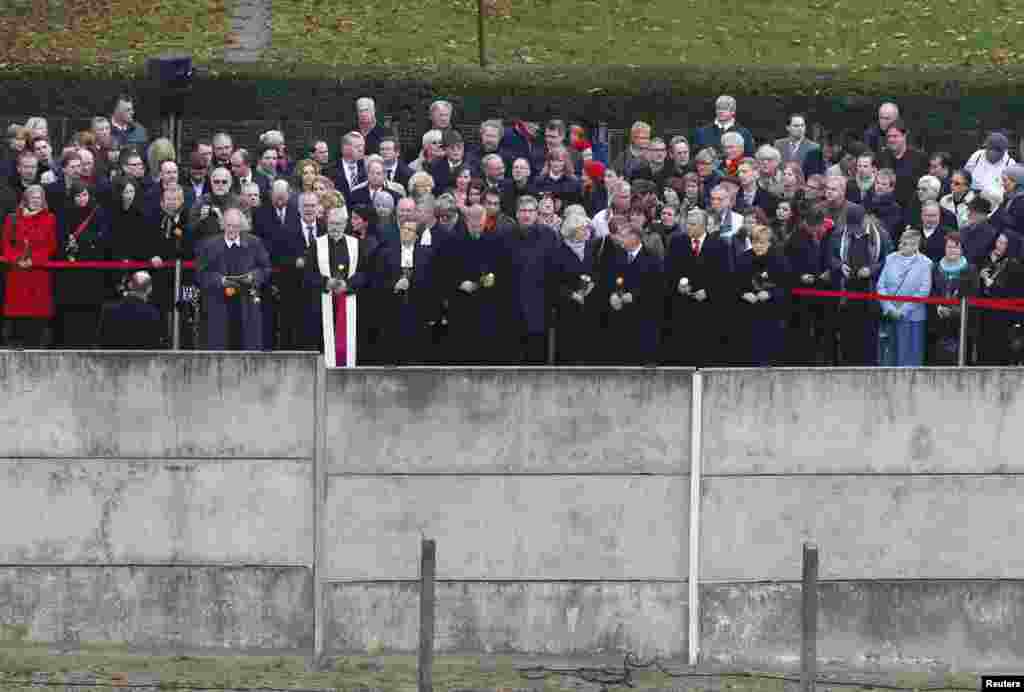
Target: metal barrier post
(809, 619)
(176, 318)
(961, 356)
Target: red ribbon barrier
(1010, 304)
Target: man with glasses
(207, 214)
(655, 168)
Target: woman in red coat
(29, 238)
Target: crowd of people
(529, 247)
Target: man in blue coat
(528, 245)
(725, 121)
(232, 274)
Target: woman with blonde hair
(29, 237)
(572, 277)
(38, 127)
(306, 172)
(420, 183)
(160, 150)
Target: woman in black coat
(1000, 276)
(762, 289)
(572, 278)
(952, 277)
(79, 293)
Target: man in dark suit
(725, 121)
(132, 323)
(242, 173)
(633, 292)
(403, 278)
(395, 170)
(444, 170)
(233, 271)
(527, 247)
(365, 192)
(351, 166)
(372, 132)
(796, 147)
(750, 194)
(697, 277)
(290, 243)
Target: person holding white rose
(695, 268)
(761, 281)
(572, 278)
(635, 301)
(403, 282)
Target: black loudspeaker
(170, 71)
(170, 77)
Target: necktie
(306, 233)
(796, 145)
(280, 214)
(351, 176)
(696, 247)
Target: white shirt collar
(725, 125)
(237, 242)
(425, 238)
(634, 253)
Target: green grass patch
(830, 34)
(113, 36)
(396, 673)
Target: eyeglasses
(219, 182)
(527, 208)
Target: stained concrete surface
(162, 607)
(534, 617)
(554, 527)
(163, 405)
(509, 421)
(157, 512)
(866, 527)
(927, 420)
(959, 625)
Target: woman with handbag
(952, 277)
(29, 239)
(902, 333)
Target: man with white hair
(929, 189)
(132, 323)
(725, 121)
(232, 274)
(372, 132)
(441, 115)
(338, 268)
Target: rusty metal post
(809, 625)
(425, 666)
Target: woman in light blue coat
(902, 336)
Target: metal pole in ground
(961, 356)
(425, 667)
(176, 315)
(480, 32)
(809, 628)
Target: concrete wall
(158, 500)
(256, 502)
(908, 482)
(559, 501)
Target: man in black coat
(696, 286)
(528, 245)
(908, 163)
(633, 286)
(132, 323)
(404, 286)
